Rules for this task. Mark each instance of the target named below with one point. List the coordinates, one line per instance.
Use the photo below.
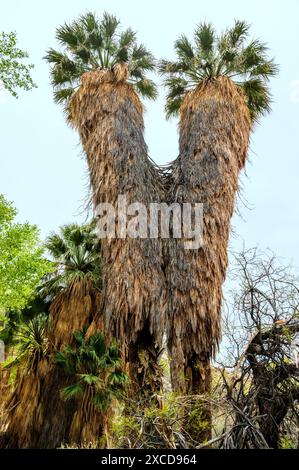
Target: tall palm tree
(219, 88)
(98, 76)
(39, 417)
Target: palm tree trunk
(109, 116)
(88, 426)
(214, 138)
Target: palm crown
(75, 252)
(91, 44)
(212, 56)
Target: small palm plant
(93, 44)
(16, 319)
(31, 342)
(96, 367)
(75, 252)
(214, 56)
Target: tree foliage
(14, 73)
(22, 265)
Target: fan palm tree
(98, 76)
(99, 382)
(219, 88)
(76, 282)
(39, 417)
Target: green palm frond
(109, 26)
(127, 39)
(238, 33)
(72, 391)
(148, 87)
(204, 37)
(258, 96)
(229, 55)
(101, 400)
(90, 43)
(63, 95)
(184, 49)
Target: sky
(43, 170)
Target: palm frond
(127, 39)
(184, 49)
(108, 26)
(238, 33)
(63, 95)
(72, 391)
(75, 252)
(32, 342)
(205, 37)
(258, 96)
(146, 88)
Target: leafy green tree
(13, 73)
(212, 56)
(22, 265)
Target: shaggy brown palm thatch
(36, 415)
(5, 388)
(214, 137)
(72, 310)
(88, 425)
(109, 116)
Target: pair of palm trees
(219, 88)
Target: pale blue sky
(41, 166)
